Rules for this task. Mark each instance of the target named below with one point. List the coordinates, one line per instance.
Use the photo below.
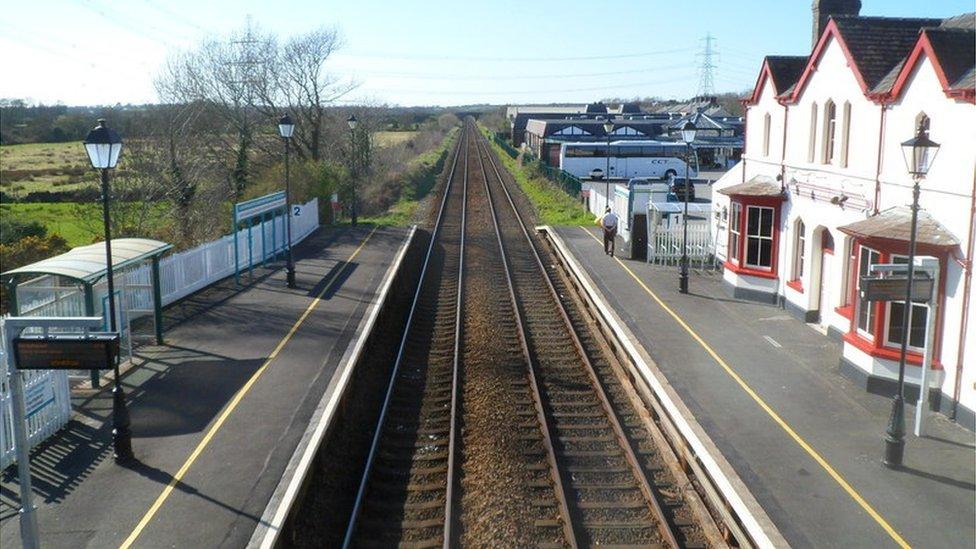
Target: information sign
(893, 288)
(96, 352)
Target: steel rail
(547, 432)
(653, 503)
(374, 445)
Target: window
(811, 152)
(767, 120)
(866, 311)
(759, 237)
(846, 135)
(735, 235)
(916, 321)
(799, 249)
(829, 132)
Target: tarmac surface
(781, 362)
(186, 420)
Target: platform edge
(289, 488)
(750, 514)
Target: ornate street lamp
(286, 128)
(352, 122)
(919, 153)
(688, 133)
(104, 145)
(608, 129)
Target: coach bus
(628, 159)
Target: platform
(767, 390)
(217, 412)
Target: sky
(103, 52)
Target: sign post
(13, 327)
(891, 285)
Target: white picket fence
(664, 245)
(48, 403)
(48, 393)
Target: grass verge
(552, 205)
(419, 179)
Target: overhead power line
(432, 57)
(448, 76)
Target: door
(826, 266)
(826, 272)
(638, 240)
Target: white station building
(823, 191)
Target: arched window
(829, 132)
(767, 122)
(846, 134)
(812, 152)
(799, 249)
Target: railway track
(406, 495)
(505, 421)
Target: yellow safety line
(147, 518)
(762, 404)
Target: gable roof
(951, 48)
(782, 70)
(874, 46)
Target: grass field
(386, 139)
(44, 167)
(59, 218)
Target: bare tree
(294, 78)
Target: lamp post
(919, 153)
(608, 129)
(352, 122)
(104, 146)
(688, 132)
(286, 128)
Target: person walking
(609, 224)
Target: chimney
(823, 9)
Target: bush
(12, 230)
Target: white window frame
(735, 230)
(799, 249)
(867, 333)
(829, 137)
(767, 123)
(812, 147)
(887, 315)
(846, 147)
(760, 237)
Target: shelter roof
(87, 263)
(759, 185)
(896, 224)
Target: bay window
(759, 237)
(735, 232)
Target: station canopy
(87, 264)
(896, 224)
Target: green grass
(553, 206)
(59, 217)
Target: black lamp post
(352, 122)
(688, 132)
(104, 146)
(919, 153)
(286, 128)
(608, 129)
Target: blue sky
(422, 53)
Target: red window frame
(736, 258)
(876, 345)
